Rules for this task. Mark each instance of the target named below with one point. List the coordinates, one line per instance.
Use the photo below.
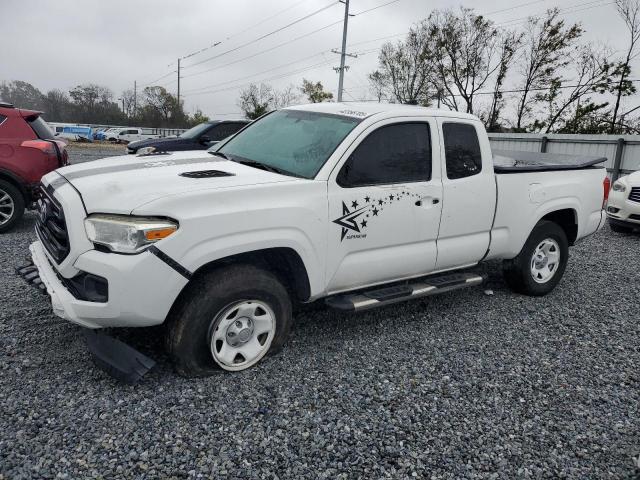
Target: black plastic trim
(170, 261)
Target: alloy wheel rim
(7, 207)
(242, 334)
(545, 260)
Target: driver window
(398, 153)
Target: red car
(28, 150)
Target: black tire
(616, 227)
(192, 321)
(518, 271)
(16, 200)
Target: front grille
(51, 226)
(634, 196)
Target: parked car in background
(200, 137)
(28, 150)
(129, 134)
(364, 205)
(74, 133)
(623, 208)
(103, 134)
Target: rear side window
(2, 119)
(462, 150)
(398, 153)
(223, 131)
(40, 127)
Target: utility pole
(135, 97)
(343, 54)
(178, 82)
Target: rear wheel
(11, 206)
(541, 263)
(229, 319)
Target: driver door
(385, 206)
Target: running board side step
(356, 302)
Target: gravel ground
(462, 385)
(85, 152)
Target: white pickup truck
(127, 135)
(362, 205)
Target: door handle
(434, 201)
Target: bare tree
(285, 97)
(546, 53)
(467, 53)
(256, 100)
(629, 10)
(378, 85)
(128, 101)
(407, 67)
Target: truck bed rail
(507, 161)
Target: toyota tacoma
(359, 205)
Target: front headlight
(618, 186)
(146, 150)
(126, 233)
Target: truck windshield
(292, 141)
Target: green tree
(21, 94)
(315, 91)
(256, 100)
(197, 118)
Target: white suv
(623, 208)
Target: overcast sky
(62, 43)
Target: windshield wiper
(264, 166)
(220, 154)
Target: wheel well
(284, 262)
(566, 219)
(7, 177)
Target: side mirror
(205, 139)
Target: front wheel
(541, 263)
(228, 319)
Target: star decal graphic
(348, 220)
(356, 218)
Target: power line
(288, 42)
(586, 5)
(262, 37)
(307, 57)
(375, 8)
(293, 72)
(216, 43)
(521, 90)
(513, 8)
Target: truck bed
(508, 161)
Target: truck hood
(121, 184)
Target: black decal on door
(356, 218)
